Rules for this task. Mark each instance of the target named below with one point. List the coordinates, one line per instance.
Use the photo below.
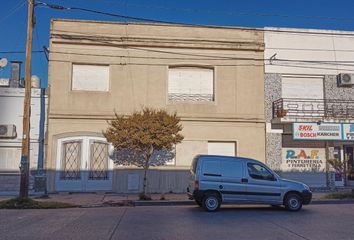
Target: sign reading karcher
(303, 159)
(323, 131)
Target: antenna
(3, 62)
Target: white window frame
(98, 84)
(188, 97)
(226, 141)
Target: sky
(316, 14)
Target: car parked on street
(221, 179)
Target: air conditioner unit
(7, 131)
(4, 82)
(345, 79)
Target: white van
(221, 179)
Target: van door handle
(244, 180)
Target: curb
(163, 203)
(335, 201)
(190, 203)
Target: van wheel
(199, 203)
(211, 202)
(293, 202)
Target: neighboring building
(213, 77)
(305, 85)
(11, 120)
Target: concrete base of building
(9, 182)
(129, 181)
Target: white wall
(11, 112)
(295, 44)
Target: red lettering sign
(305, 128)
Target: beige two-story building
(213, 77)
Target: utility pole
(25, 156)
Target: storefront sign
(315, 131)
(348, 132)
(303, 159)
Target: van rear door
(232, 188)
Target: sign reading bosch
(314, 131)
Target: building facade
(309, 103)
(11, 117)
(213, 77)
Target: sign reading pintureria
(323, 131)
(303, 159)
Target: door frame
(83, 184)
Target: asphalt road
(180, 222)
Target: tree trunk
(345, 170)
(145, 179)
(146, 167)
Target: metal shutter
(222, 148)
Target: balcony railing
(318, 109)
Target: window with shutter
(191, 84)
(90, 78)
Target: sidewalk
(114, 199)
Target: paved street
(180, 222)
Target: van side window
(211, 168)
(231, 169)
(257, 171)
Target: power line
(345, 63)
(14, 10)
(40, 56)
(218, 65)
(311, 49)
(335, 63)
(213, 12)
(163, 64)
(20, 52)
(201, 56)
(217, 41)
(308, 67)
(59, 7)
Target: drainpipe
(41, 132)
(41, 176)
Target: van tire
(211, 202)
(293, 202)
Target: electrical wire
(40, 56)
(345, 63)
(334, 63)
(14, 10)
(213, 12)
(59, 7)
(216, 65)
(20, 52)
